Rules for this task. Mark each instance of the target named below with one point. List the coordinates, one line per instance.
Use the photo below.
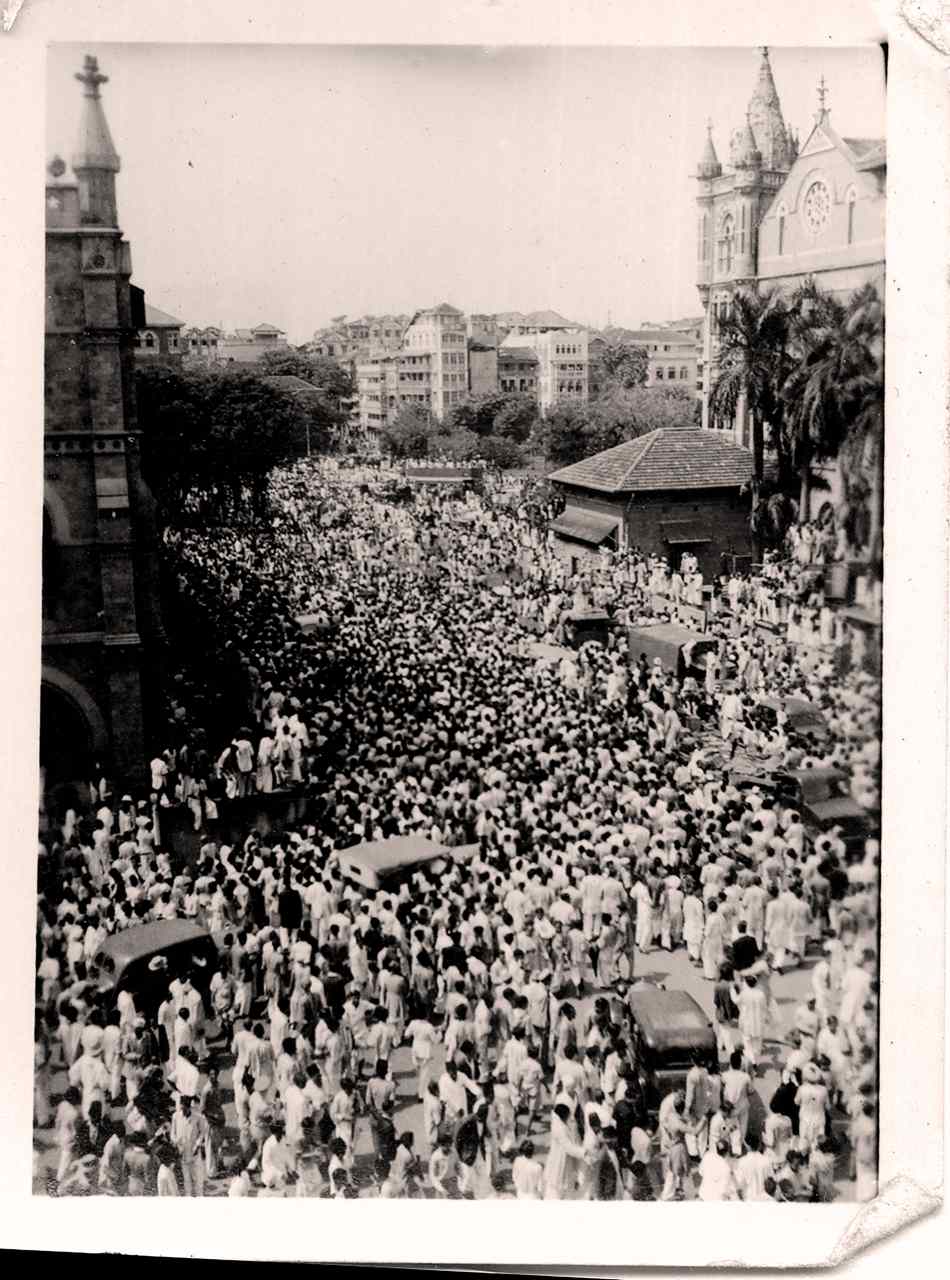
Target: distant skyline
(290, 184)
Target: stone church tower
(731, 204)
(101, 623)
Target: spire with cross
(822, 96)
(91, 77)
(95, 160)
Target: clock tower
(731, 202)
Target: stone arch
(84, 703)
(58, 515)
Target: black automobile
(145, 958)
(668, 1030)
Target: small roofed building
(160, 340)
(674, 490)
(246, 346)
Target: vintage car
(679, 650)
(823, 799)
(820, 795)
(803, 717)
(391, 863)
(668, 1030)
(146, 957)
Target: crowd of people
(602, 822)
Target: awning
(680, 532)
(585, 526)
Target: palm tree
(838, 398)
(753, 362)
(815, 320)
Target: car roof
(836, 807)
(670, 1019)
(389, 855)
(143, 940)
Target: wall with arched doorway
(74, 737)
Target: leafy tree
(517, 417)
(459, 445)
(623, 414)
(500, 452)
(572, 431)
(214, 430)
(620, 365)
(566, 433)
(332, 379)
(504, 413)
(411, 433)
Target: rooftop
(290, 382)
(549, 318)
(871, 153)
(669, 458)
(156, 319)
(518, 353)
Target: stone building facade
(781, 212)
(101, 620)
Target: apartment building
(441, 333)
(562, 359)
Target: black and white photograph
(460, 724)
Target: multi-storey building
(349, 341)
(440, 332)
(780, 213)
(246, 346)
(518, 370)
(389, 382)
(562, 356)
(160, 340)
(205, 345)
(672, 352)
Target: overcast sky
(292, 184)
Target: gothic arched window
(781, 228)
(850, 199)
(149, 339)
(727, 235)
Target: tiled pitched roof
(550, 318)
(156, 319)
(523, 354)
(668, 458)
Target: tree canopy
(411, 432)
(573, 430)
(324, 373)
(510, 414)
(214, 429)
(620, 365)
(809, 369)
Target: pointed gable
(827, 217)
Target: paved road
(673, 970)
